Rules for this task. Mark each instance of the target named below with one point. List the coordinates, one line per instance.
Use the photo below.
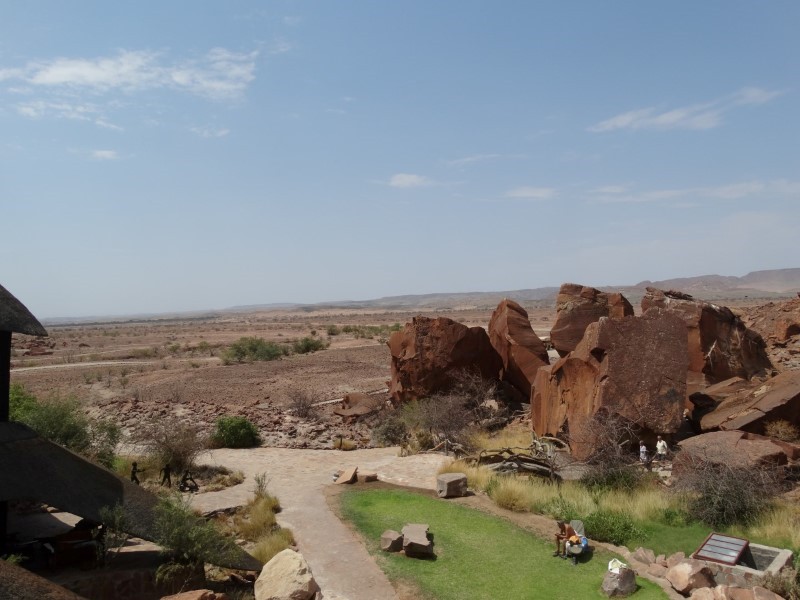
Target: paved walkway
(340, 563)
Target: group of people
(661, 451)
(187, 483)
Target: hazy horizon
(169, 158)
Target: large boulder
(734, 449)
(520, 349)
(633, 367)
(720, 345)
(416, 542)
(689, 575)
(577, 306)
(286, 576)
(451, 485)
(429, 352)
(750, 408)
(775, 321)
(621, 584)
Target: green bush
(250, 349)
(334, 330)
(613, 527)
(309, 344)
(235, 432)
(61, 421)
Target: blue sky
(181, 155)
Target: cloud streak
(219, 75)
(781, 188)
(408, 180)
(698, 117)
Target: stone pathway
(340, 563)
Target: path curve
(338, 559)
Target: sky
(178, 156)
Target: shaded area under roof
(35, 468)
(15, 317)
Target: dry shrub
(514, 436)
(343, 443)
(723, 494)
(303, 403)
(276, 541)
(258, 521)
(478, 478)
(782, 430)
(172, 441)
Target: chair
(573, 550)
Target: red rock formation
(520, 349)
(578, 306)
(749, 409)
(633, 367)
(732, 448)
(720, 346)
(779, 325)
(428, 351)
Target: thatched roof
(15, 317)
(17, 583)
(32, 467)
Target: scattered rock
(634, 367)
(286, 576)
(349, 475)
(451, 485)
(391, 541)
(428, 352)
(415, 541)
(620, 584)
(644, 555)
(688, 575)
(674, 559)
(197, 595)
(520, 349)
(657, 570)
(577, 307)
(367, 477)
(750, 409)
(760, 593)
(720, 345)
(732, 448)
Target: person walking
(642, 452)
(166, 473)
(135, 473)
(661, 449)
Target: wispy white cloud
(706, 115)
(532, 193)
(210, 132)
(105, 154)
(408, 180)
(220, 74)
(776, 188)
(280, 46)
(86, 111)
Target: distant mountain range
(776, 283)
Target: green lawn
(668, 539)
(478, 556)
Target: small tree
(172, 441)
(303, 403)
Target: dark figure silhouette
(188, 484)
(135, 470)
(166, 473)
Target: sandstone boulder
(451, 485)
(731, 448)
(428, 353)
(749, 409)
(416, 542)
(689, 575)
(720, 345)
(286, 576)
(391, 541)
(644, 555)
(633, 367)
(520, 349)
(617, 585)
(760, 593)
(775, 321)
(577, 306)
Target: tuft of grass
(272, 543)
(259, 520)
(513, 436)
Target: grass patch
(513, 436)
(274, 542)
(485, 555)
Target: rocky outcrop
(633, 367)
(733, 449)
(720, 346)
(689, 575)
(428, 353)
(578, 306)
(749, 409)
(520, 349)
(779, 325)
(286, 576)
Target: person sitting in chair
(565, 533)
